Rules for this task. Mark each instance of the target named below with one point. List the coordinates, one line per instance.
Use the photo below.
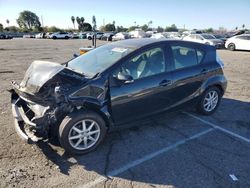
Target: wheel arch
(218, 81)
(101, 110)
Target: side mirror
(125, 78)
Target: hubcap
(84, 134)
(210, 101)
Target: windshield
(99, 59)
(208, 36)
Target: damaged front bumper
(33, 121)
(29, 129)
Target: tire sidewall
(70, 120)
(231, 46)
(200, 106)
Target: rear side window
(242, 37)
(186, 57)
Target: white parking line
(143, 159)
(218, 127)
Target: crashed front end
(40, 101)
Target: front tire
(231, 46)
(81, 132)
(209, 101)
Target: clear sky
(197, 14)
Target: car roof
(138, 43)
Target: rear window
(186, 56)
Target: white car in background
(159, 36)
(137, 34)
(239, 42)
(120, 36)
(60, 35)
(205, 39)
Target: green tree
(83, 26)
(28, 20)
(52, 29)
(144, 27)
(13, 29)
(243, 26)
(160, 29)
(131, 28)
(109, 27)
(86, 27)
(73, 21)
(121, 29)
(1, 27)
(172, 28)
(209, 30)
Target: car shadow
(123, 146)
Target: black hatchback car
(113, 85)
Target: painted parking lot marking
(218, 127)
(137, 162)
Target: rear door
(188, 72)
(148, 92)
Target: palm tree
(7, 21)
(82, 20)
(243, 26)
(73, 20)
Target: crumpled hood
(40, 73)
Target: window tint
(146, 64)
(192, 36)
(242, 37)
(186, 57)
(199, 37)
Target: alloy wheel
(84, 134)
(210, 101)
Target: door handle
(165, 83)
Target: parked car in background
(205, 39)
(120, 36)
(98, 35)
(60, 35)
(107, 36)
(137, 34)
(159, 35)
(239, 42)
(4, 36)
(28, 36)
(221, 37)
(112, 86)
(74, 35)
(40, 36)
(82, 35)
(48, 34)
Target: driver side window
(148, 63)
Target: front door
(147, 93)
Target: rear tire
(231, 46)
(81, 132)
(210, 100)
